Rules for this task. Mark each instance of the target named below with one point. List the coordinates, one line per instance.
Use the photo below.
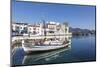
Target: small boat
(46, 46)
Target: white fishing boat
(46, 46)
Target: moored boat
(46, 46)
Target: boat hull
(43, 48)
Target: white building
(55, 28)
(49, 28)
(19, 28)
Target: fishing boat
(46, 46)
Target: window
(25, 28)
(17, 27)
(34, 32)
(34, 28)
(20, 27)
(51, 31)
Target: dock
(41, 36)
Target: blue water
(82, 49)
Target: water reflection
(46, 56)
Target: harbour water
(82, 49)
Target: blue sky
(75, 15)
